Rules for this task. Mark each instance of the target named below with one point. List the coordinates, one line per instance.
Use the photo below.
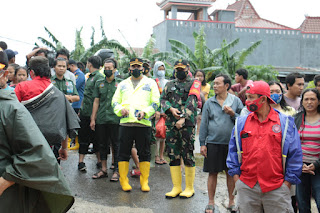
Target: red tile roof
(310, 25)
(246, 16)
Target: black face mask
(136, 73)
(108, 73)
(181, 74)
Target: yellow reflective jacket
(145, 97)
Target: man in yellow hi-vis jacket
(135, 101)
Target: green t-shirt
(105, 91)
(87, 103)
(64, 85)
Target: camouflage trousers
(180, 144)
(153, 132)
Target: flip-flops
(232, 209)
(209, 208)
(97, 176)
(163, 161)
(158, 160)
(212, 208)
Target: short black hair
(42, 51)
(19, 68)
(204, 82)
(111, 60)
(63, 52)
(243, 73)
(95, 61)
(81, 66)
(71, 61)
(291, 78)
(14, 65)
(40, 66)
(226, 79)
(316, 79)
(59, 59)
(3, 45)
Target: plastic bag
(161, 128)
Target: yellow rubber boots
(123, 171)
(176, 181)
(144, 177)
(190, 174)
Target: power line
(16, 40)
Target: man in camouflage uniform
(179, 101)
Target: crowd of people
(265, 136)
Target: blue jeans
(309, 184)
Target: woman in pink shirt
(308, 123)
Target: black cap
(134, 61)
(3, 60)
(10, 53)
(181, 64)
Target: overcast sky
(24, 20)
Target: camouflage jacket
(176, 94)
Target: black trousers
(141, 136)
(108, 134)
(86, 136)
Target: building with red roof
(310, 25)
(281, 46)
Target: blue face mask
(276, 97)
(161, 73)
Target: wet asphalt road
(106, 193)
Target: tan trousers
(254, 201)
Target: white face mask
(161, 73)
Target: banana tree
(200, 58)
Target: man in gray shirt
(295, 86)
(218, 116)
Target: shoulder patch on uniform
(146, 87)
(101, 85)
(53, 82)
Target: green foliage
(147, 50)
(79, 48)
(265, 73)
(212, 62)
(311, 85)
(201, 58)
(234, 62)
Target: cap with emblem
(181, 64)
(260, 88)
(135, 61)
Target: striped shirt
(310, 141)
